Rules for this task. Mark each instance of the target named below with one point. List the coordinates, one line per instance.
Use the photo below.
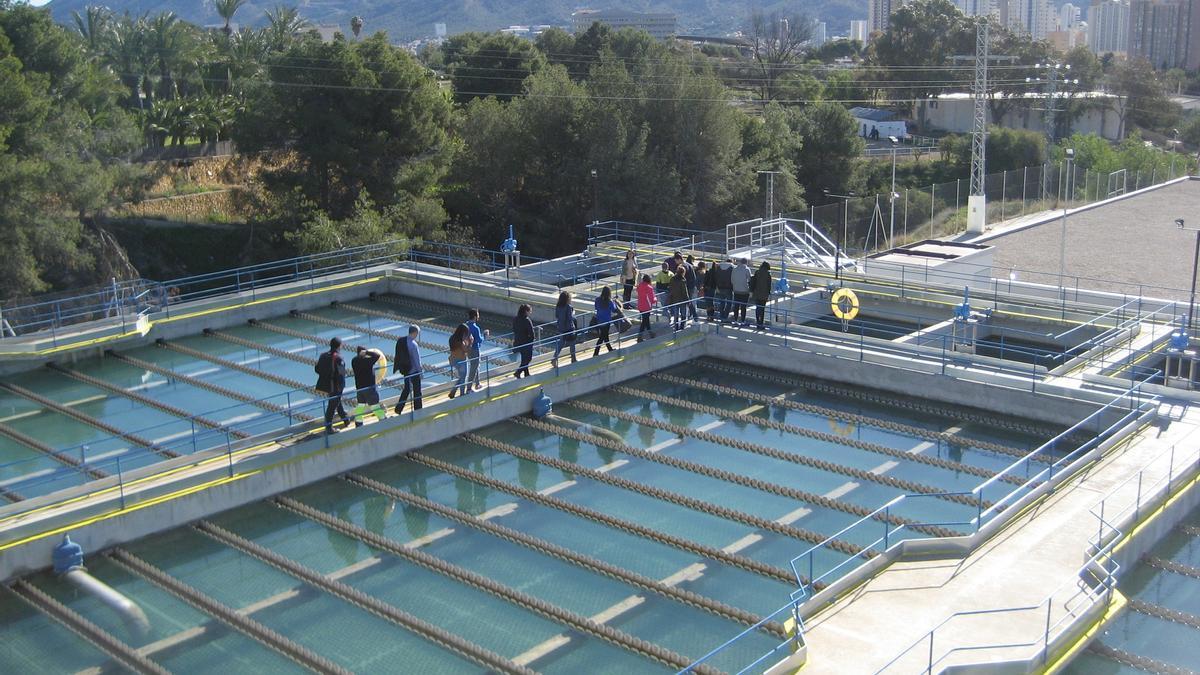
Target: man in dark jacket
(725, 289)
(710, 290)
(331, 381)
(365, 378)
(760, 290)
(407, 362)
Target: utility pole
(977, 199)
(1055, 74)
(770, 193)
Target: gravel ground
(1131, 246)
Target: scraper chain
(731, 559)
(1172, 566)
(658, 493)
(386, 611)
(264, 348)
(1143, 663)
(843, 415)
(208, 386)
(812, 433)
(325, 343)
(774, 453)
(148, 401)
(119, 650)
(582, 560)
(227, 615)
(401, 303)
(882, 399)
(86, 419)
(546, 609)
(234, 365)
(1165, 613)
(49, 451)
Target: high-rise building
(819, 33)
(1108, 26)
(858, 31)
(1165, 32)
(1034, 18)
(976, 7)
(1068, 17)
(661, 26)
(879, 14)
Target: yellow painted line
(1115, 607)
(225, 458)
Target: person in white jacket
(741, 291)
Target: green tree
(284, 23)
(917, 51)
(369, 120)
(496, 66)
(226, 9)
(62, 134)
(831, 150)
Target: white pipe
(133, 616)
(587, 428)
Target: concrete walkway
(890, 616)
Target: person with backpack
(629, 274)
(606, 309)
(523, 339)
(460, 352)
(760, 289)
(407, 362)
(331, 381)
(564, 322)
(647, 299)
(366, 379)
(478, 335)
(741, 291)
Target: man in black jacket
(331, 381)
(407, 362)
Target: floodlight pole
(1195, 261)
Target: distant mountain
(406, 20)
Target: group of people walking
(723, 289)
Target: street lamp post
(1062, 246)
(1195, 260)
(595, 199)
(837, 265)
(892, 197)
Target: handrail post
(120, 482)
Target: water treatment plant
(919, 464)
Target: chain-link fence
(864, 225)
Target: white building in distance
(1108, 27)
(660, 26)
(858, 31)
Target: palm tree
(283, 23)
(127, 53)
(226, 9)
(356, 25)
(93, 26)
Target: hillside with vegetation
(358, 141)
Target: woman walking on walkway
(647, 299)
(629, 273)
(564, 318)
(523, 339)
(605, 308)
(460, 351)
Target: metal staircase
(796, 242)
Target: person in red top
(647, 299)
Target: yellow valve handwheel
(844, 304)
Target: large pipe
(586, 428)
(129, 611)
(68, 563)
